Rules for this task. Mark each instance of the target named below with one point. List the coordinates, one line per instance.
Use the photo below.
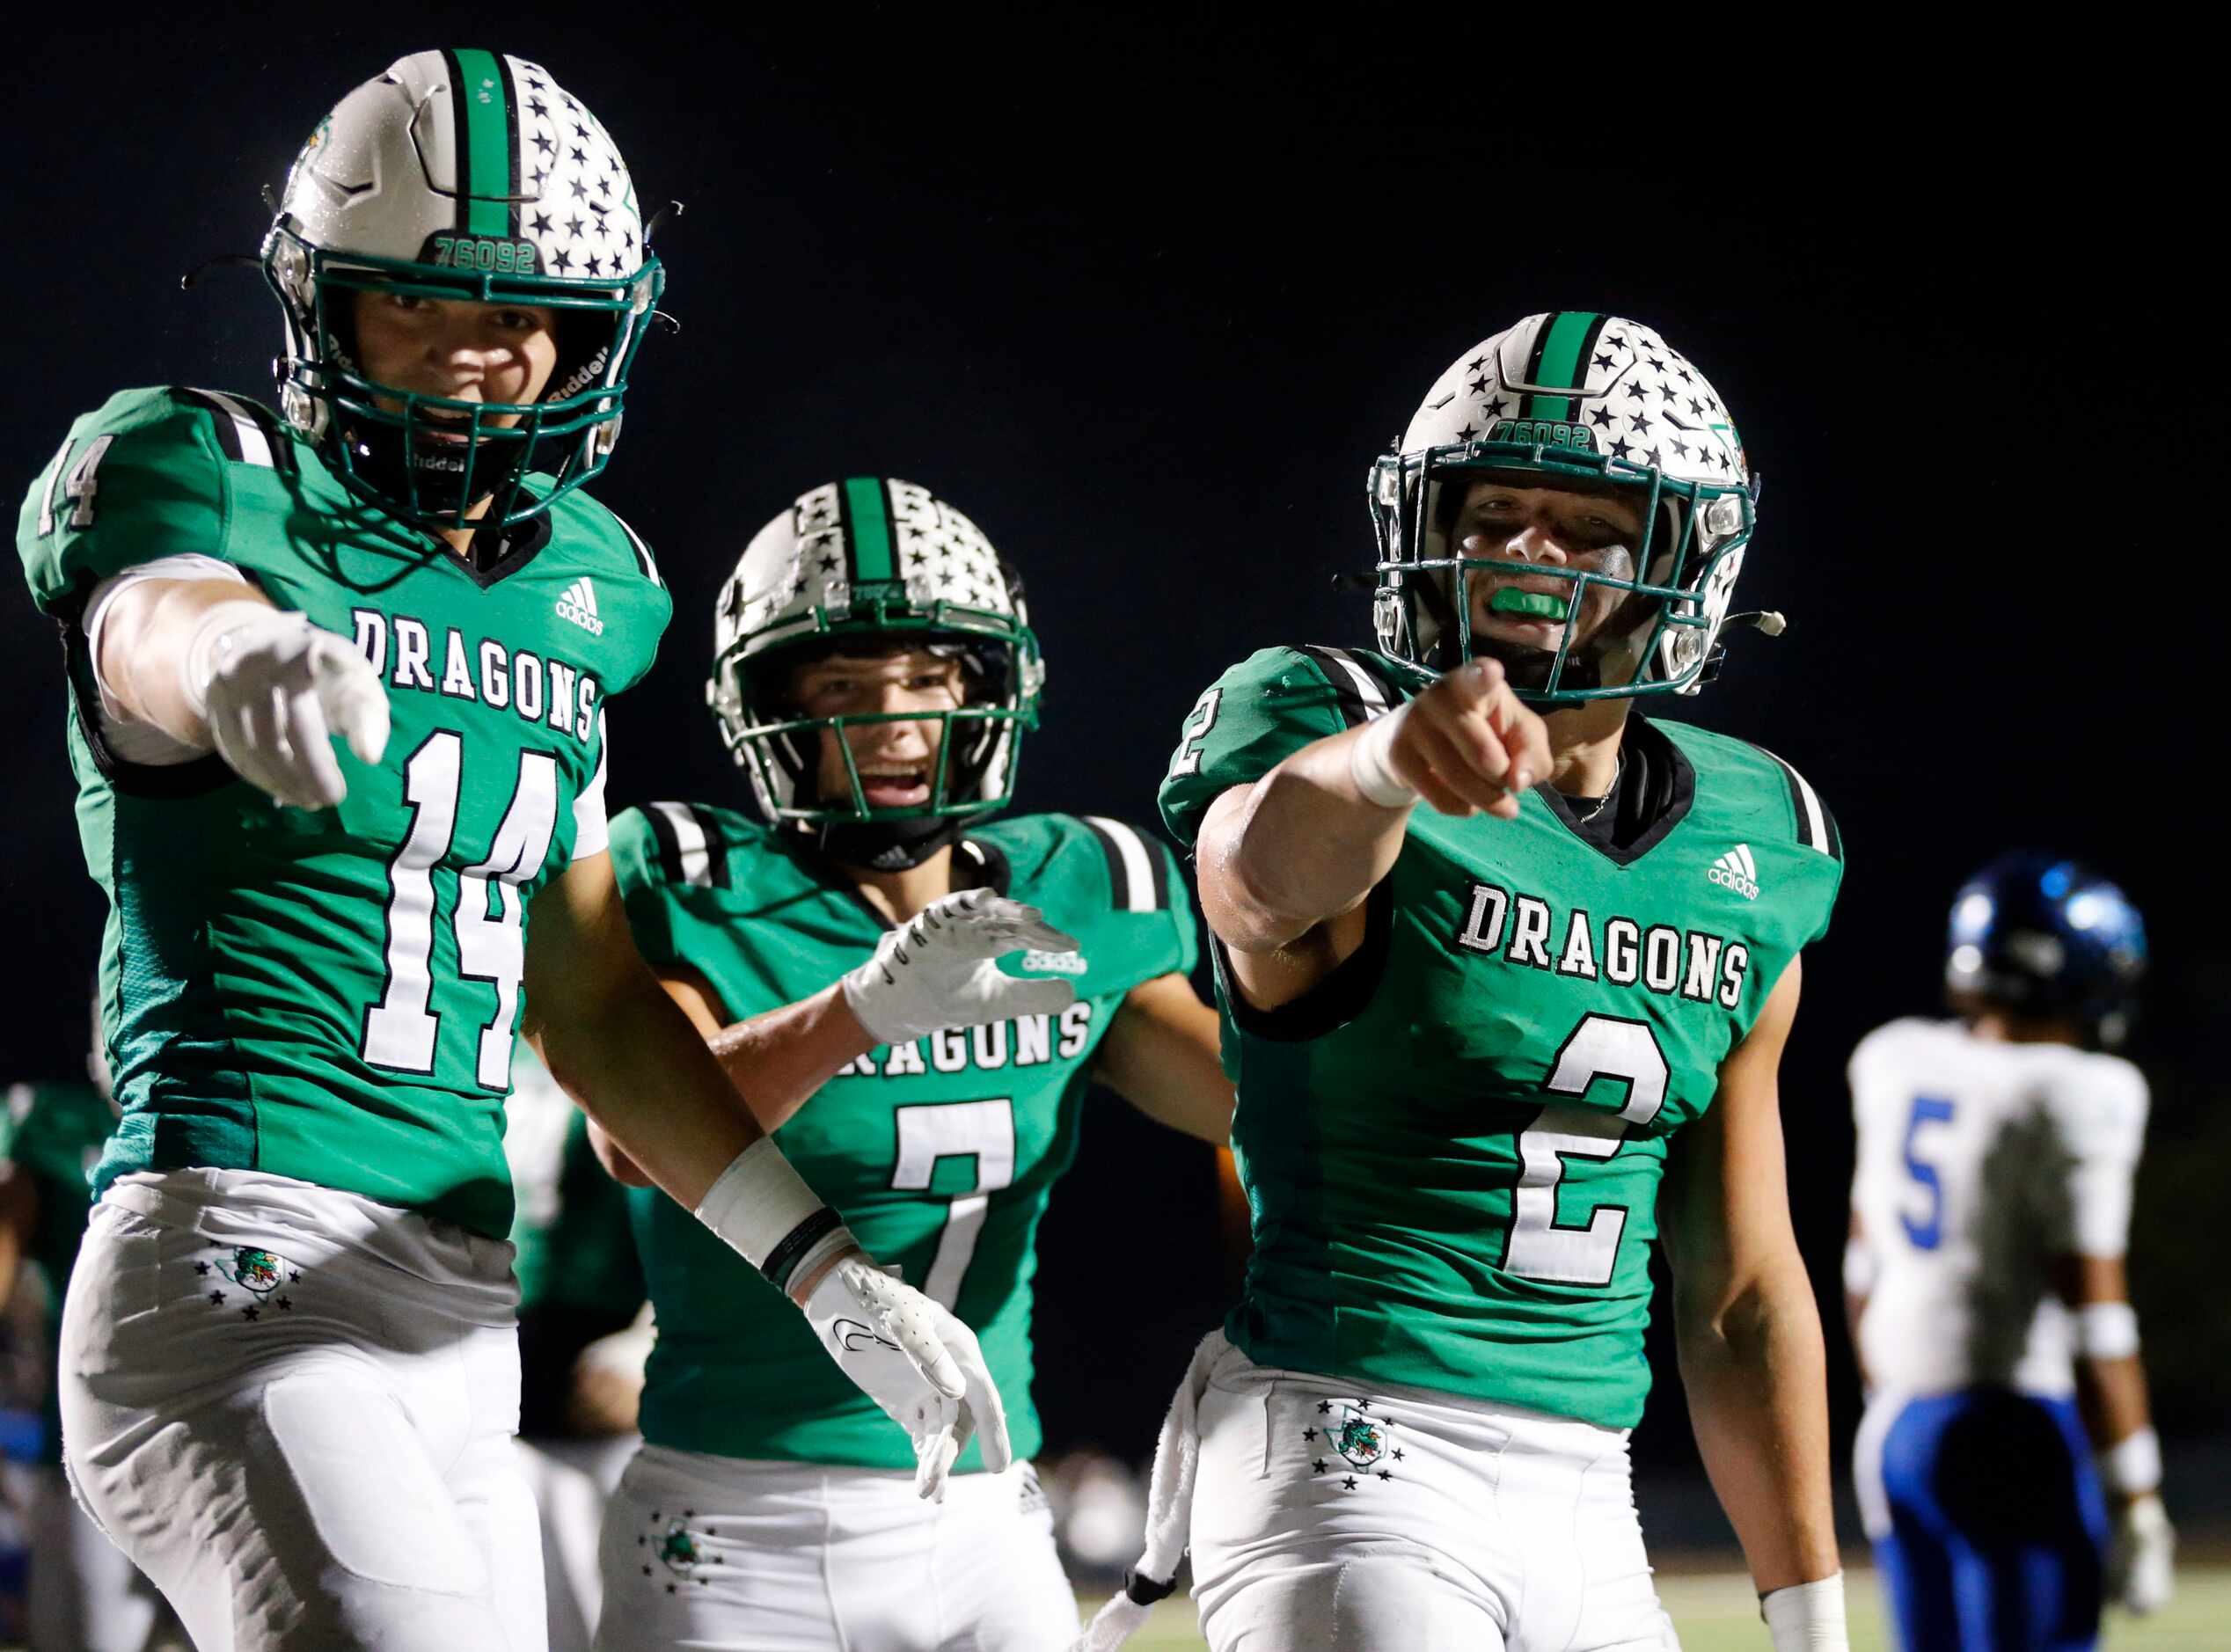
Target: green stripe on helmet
(867, 537)
(484, 144)
(1559, 352)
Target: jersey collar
(1655, 789)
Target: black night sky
(1144, 300)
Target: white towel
(1169, 1510)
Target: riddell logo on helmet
(588, 373)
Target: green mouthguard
(1540, 605)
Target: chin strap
(884, 845)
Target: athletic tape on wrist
(1807, 1617)
(1367, 766)
(2132, 1466)
(764, 1209)
(2107, 1330)
(195, 665)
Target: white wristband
(764, 1210)
(1367, 764)
(1807, 1617)
(2107, 1330)
(198, 664)
(2132, 1466)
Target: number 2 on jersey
(401, 1030)
(1541, 1246)
(932, 1130)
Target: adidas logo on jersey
(1735, 870)
(579, 604)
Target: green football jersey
(331, 995)
(52, 1133)
(940, 1153)
(1452, 1146)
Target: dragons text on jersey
(462, 667)
(1532, 933)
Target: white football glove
(914, 1359)
(2140, 1557)
(275, 690)
(943, 970)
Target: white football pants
(293, 1408)
(718, 1554)
(1328, 1516)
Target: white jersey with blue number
(1978, 1163)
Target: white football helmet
(1579, 400)
(866, 564)
(461, 174)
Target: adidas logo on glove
(1735, 870)
(579, 604)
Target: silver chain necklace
(1610, 792)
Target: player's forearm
(639, 1068)
(1305, 846)
(777, 1061)
(1756, 1374)
(2111, 1393)
(146, 634)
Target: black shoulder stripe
(1360, 693)
(1391, 693)
(691, 847)
(227, 434)
(1137, 879)
(643, 558)
(245, 433)
(1816, 826)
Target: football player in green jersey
(289, 1361)
(875, 673)
(1467, 1034)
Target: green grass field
(1715, 1611)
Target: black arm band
(785, 1257)
(1145, 1589)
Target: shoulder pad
(693, 843)
(1365, 686)
(246, 432)
(1138, 867)
(1816, 826)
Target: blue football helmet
(2045, 935)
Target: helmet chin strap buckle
(1768, 622)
